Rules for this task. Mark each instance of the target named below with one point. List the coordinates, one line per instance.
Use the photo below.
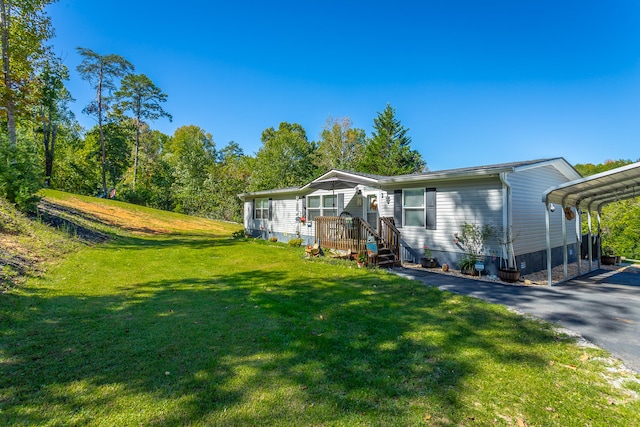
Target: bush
(20, 174)
(295, 242)
(238, 234)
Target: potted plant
(472, 239)
(468, 265)
(361, 258)
(608, 255)
(428, 261)
(508, 270)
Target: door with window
(371, 210)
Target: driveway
(603, 306)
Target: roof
(595, 191)
(449, 174)
(486, 170)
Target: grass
(193, 328)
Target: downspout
(506, 215)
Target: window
(413, 206)
(330, 205)
(262, 209)
(322, 206)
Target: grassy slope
(189, 328)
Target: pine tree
(388, 151)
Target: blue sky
(474, 82)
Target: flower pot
(469, 271)
(608, 259)
(509, 274)
(429, 262)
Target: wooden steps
(386, 258)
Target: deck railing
(345, 233)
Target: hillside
(67, 221)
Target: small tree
(472, 238)
(506, 237)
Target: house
(411, 212)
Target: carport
(588, 195)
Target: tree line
(42, 143)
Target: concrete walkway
(603, 306)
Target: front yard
(195, 330)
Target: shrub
(20, 174)
(295, 242)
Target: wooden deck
(352, 234)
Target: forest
(43, 145)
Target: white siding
(473, 201)
(528, 216)
(285, 211)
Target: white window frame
(261, 208)
(420, 208)
(321, 209)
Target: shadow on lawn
(318, 350)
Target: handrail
(389, 235)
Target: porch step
(386, 258)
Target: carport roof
(595, 191)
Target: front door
(371, 210)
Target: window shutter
(430, 208)
(270, 209)
(340, 203)
(397, 208)
(304, 207)
(253, 208)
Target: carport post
(546, 217)
(590, 242)
(565, 257)
(599, 248)
(579, 239)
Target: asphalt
(603, 306)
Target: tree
(285, 158)
(191, 152)
(228, 179)
(52, 110)
(388, 151)
(101, 71)
(142, 98)
(117, 137)
(340, 145)
(24, 28)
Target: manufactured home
(411, 214)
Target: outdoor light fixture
(552, 207)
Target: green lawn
(199, 330)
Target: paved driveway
(603, 306)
